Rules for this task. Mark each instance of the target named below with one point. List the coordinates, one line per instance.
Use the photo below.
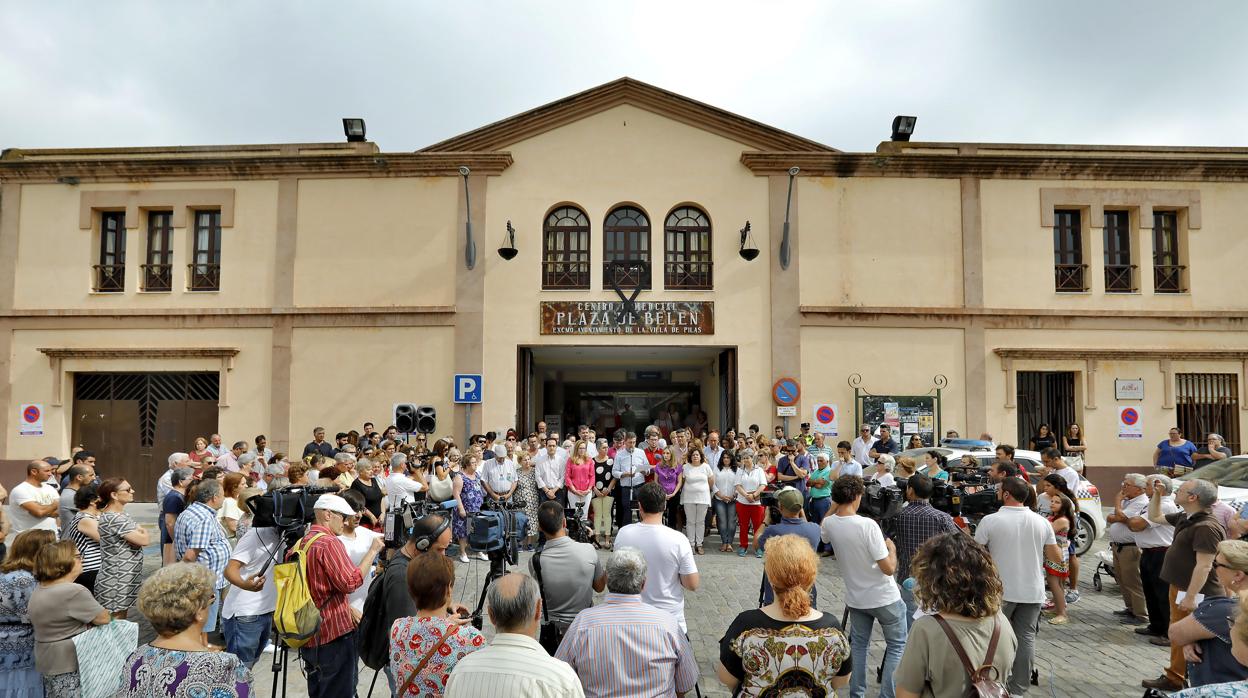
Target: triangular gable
(501, 134)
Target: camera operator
(401, 486)
(429, 535)
(916, 523)
(867, 561)
(499, 476)
(569, 572)
(247, 613)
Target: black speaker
(426, 419)
(405, 418)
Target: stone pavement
(1092, 657)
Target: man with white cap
(330, 656)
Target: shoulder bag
(550, 634)
(407, 683)
(986, 680)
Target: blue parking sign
(467, 388)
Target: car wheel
(1085, 536)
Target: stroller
(1104, 565)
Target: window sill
(564, 290)
(1073, 293)
(203, 290)
(95, 292)
(1172, 293)
(145, 290)
(1124, 293)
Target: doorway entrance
(628, 388)
(1045, 397)
(133, 421)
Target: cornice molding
(230, 312)
(1124, 354)
(961, 312)
(627, 91)
(952, 166)
(140, 353)
(13, 168)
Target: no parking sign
(31, 423)
(1129, 427)
(827, 419)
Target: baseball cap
(790, 499)
(333, 502)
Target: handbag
(102, 653)
(442, 490)
(986, 680)
(407, 683)
(550, 634)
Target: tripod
(280, 656)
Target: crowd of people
(652, 498)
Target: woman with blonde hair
(786, 647)
(18, 676)
(956, 581)
(751, 481)
(906, 466)
(230, 511)
(175, 599)
(667, 474)
(1205, 635)
(579, 480)
(1239, 652)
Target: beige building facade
(269, 289)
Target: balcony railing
(1168, 278)
(688, 274)
(110, 278)
(561, 274)
(626, 274)
(205, 277)
(157, 277)
(1070, 278)
(1120, 278)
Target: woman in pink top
(579, 478)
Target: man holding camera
(569, 572)
(916, 523)
(247, 613)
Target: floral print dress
(526, 495)
(153, 672)
(471, 495)
(412, 637)
(18, 676)
(773, 657)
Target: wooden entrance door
(133, 421)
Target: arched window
(565, 249)
(626, 238)
(687, 249)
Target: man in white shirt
(1131, 502)
(861, 447)
(867, 561)
(215, 447)
(164, 485)
(1053, 462)
(629, 469)
(247, 613)
(1019, 541)
(34, 504)
(513, 664)
(551, 465)
(712, 450)
(1154, 539)
(400, 487)
(670, 568)
(499, 476)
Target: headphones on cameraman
(423, 543)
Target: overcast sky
(172, 73)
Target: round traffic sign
(31, 414)
(825, 414)
(786, 392)
(1130, 416)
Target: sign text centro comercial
(617, 317)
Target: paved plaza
(1092, 657)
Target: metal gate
(1208, 403)
(133, 421)
(1044, 397)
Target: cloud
(141, 73)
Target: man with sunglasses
(862, 446)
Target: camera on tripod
(288, 509)
(578, 530)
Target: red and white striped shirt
(331, 576)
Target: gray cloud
(146, 73)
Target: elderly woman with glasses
(1205, 636)
(121, 549)
(60, 610)
(1239, 651)
(175, 599)
(18, 675)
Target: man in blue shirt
(792, 522)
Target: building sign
(827, 419)
(620, 317)
(32, 420)
(1129, 427)
(1128, 388)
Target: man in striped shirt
(624, 647)
(514, 664)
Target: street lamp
(903, 127)
(747, 253)
(508, 251)
(354, 130)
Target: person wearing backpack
(967, 647)
(330, 657)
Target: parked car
(1231, 477)
(1091, 515)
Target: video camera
(402, 516)
(578, 530)
(288, 509)
(497, 529)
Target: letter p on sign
(467, 388)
